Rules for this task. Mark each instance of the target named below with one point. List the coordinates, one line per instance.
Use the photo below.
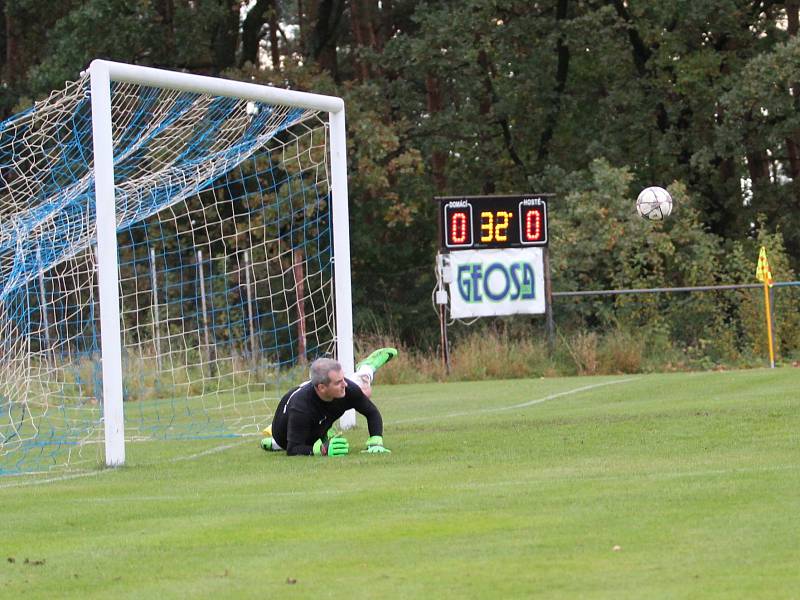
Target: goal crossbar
(214, 86)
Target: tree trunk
(302, 23)
(793, 141)
(368, 22)
(487, 101)
(641, 53)
(3, 38)
(325, 33)
(562, 70)
(387, 25)
(166, 13)
(12, 72)
(433, 91)
(358, 28)
(251, 32)
(226, 36)
(274, 25)
(758, 165)
(792, 22)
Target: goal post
(107, 280)
(173, 248)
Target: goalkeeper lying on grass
(304, 416)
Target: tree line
(589, 99)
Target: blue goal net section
(224, 267)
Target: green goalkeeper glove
(375, 445)
(269, 444)
(336, 446)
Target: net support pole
(250, 319)
(300, 293)
(43, 304)
(548, 303)
(113, 416)
(156, 319)
(206, 351)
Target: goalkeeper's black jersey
(302, 417)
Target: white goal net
(223, 273)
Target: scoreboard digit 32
(477, 222)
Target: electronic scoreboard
(492, 222)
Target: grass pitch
(658, 486)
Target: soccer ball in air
(654, 204)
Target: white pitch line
(210, 451)
(49, 479)
(515, 406)
(67, 477)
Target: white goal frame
(102, 73)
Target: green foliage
(590, 100)
(393, 221)
(135, 32)
(748, 308)
(607, 247)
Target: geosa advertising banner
(487, 283)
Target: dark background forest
(591, 100)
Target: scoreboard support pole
(443, 337)
(442, 266)
(549, 323)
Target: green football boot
(378, 358)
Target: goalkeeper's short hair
(320, 369)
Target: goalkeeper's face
(335, 388)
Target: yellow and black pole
(764, 274)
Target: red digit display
(532, 225)
(533, 222)
(458, 225)
(458, 228)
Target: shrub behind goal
(166, 258)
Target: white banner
(488, 283)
